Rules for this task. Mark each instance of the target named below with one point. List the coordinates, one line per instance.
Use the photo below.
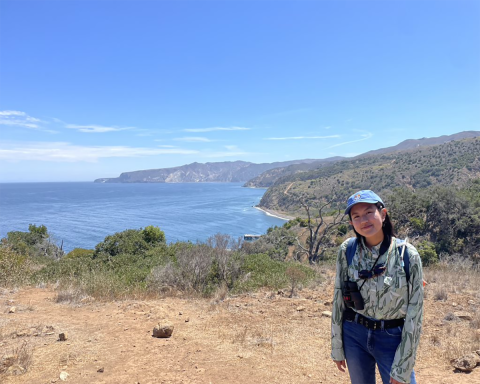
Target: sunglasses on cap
(377, 271)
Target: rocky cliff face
(226, 172)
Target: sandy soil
(257, 338)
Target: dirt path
(259, 338)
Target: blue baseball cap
(366, 196)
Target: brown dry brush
(18, 360)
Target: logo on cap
(357, 197)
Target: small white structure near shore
(248, 237)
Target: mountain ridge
(262, 175)
(226, 171)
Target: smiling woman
(378, 305)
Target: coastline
(273, 213)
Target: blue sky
(94, 88)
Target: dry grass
(452, 288)
(18, 360)
(257, 337)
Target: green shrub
(130, 241)
(261, 271)
(79, 252)
(427, 253)
(153, 235)
(342, 229)
(36, 242)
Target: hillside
(269, 177)
(226, 172)
(454, 162)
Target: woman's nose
(363, 218)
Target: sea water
(82, 214)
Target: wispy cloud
(213, 129)
(194, 139)
(303, 137)
(365, 136)
(96, 128)
(328, 127)
(18, 118)
(67, 152)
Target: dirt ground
(265, 337)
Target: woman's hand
(341, 365)
(393, 381)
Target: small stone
(327, 313)
(15, 370)
(464, 315)
(12, 309)
(101, 370)
(163, 330)
(63, 336)
(327, 303)
(454, 304)
(466, 363)
(180, 313)
(9, 359)
(187, 320)
(300, 309)
(63, 376)
(471, 302)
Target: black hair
(387, 228)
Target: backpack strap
(405, 258)
(351, 249)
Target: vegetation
(452, 163)
(443, 222)
(140, 262)
(432, 194)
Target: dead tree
(319, 229)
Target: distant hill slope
(269, 177)
(454, 162)
(236, 171)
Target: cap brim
(369, 201)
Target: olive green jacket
(386, 297)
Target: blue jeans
(364, 347)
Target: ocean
(82, 214)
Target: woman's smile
(367, 220)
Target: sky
(93, 88)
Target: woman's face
(367, 220)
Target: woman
(377, 310)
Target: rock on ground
(466, 363)
(163, 331)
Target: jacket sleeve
(338, 306)
(406, 352)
